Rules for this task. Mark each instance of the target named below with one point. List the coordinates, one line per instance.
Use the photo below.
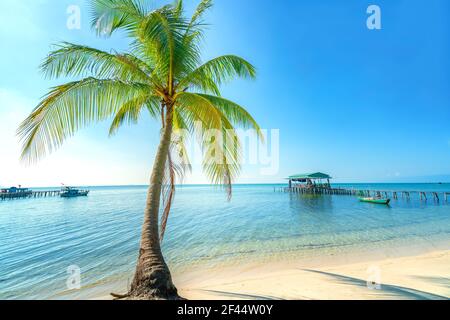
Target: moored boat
(375, 200)
(69, 192)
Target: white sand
(416, 277)
(422, 276)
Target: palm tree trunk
(152, 279)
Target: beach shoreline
(421, 276)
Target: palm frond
(77, 60)
(195, 29)
(176, 168)
(168, 194)
(218, 71)
(196, 108)
(222, 156)
(236, 114)
(178, 8)
(200, 11)
(130, 112)
(161, 35)
(69, 107)
(111, 15)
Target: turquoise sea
(41, 238)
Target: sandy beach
(415, 277)
(420, 277)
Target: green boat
(375, 200)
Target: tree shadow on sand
(440, 281)
(392, 291)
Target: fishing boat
(69, 192)
(375, 200)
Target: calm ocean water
(41, 238)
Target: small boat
(69, 192)
(375, 200)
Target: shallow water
(41, 238)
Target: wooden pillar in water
(436, 196)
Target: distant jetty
(314, 183)
(21, 193)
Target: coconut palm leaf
(130, 112)
(71, 60)
(70, 107)
(218, 71)
(168, 195)
(236, 114)
(200, 11)
(198, 109)
(109, 16)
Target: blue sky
(363, 105)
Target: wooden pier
(313, 183)
(30, 194)
(393, 194)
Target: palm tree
(161, 73)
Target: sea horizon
(234, 184)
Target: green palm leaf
(75, 60)
(217, 71)
(130, 112)
(234, 113)
(111, 15)
(69, 107)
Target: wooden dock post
(436, 196)
(28, 194)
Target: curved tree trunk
(152, 279)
